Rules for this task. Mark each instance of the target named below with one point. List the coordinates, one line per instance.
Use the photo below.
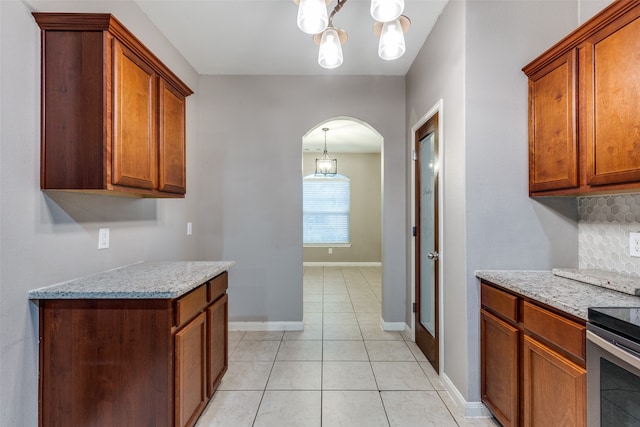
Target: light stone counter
(568, 295)
(144, 280)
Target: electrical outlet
(634, 244)
(103, 238)
(189, 229)
(330, 251)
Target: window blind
(326, 207)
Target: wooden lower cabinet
(191, 371)
(499, 353)
(554, 388)
(532, 362)
(132, 362)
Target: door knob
(433, 255)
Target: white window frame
(335, 178)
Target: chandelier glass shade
(312, 16)
(326, 165)
(390, 26)
(386, 10)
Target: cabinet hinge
(414, 231)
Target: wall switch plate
(634, 244)
(189, 229)
(103, 238)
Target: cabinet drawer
(217, 287)
(563, 333)
(189, 305)
(499, 302)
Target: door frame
(436, 109)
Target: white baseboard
(342, 264)
(393, 326)
(266, 326)
(471, 409)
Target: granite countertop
(571, 296)
(143, 280)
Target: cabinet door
(190, 371)
(499, 366)
(134, 156)
(217, 316)
(172, 140)
(612, 102)
(553, 143)
(554, 388)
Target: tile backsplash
(603, 233)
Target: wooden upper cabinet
(113, 115)
(172, 144)
(584, 104)
(612, 103)
(553, 142)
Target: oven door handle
(615, 349)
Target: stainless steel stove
(613, 367)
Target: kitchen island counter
(143, 280)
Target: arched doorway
(351, 269)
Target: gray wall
(50, 238)
(472, 60)
(251, 129)
(365, 226)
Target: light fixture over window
(390, 26)
(326, 165)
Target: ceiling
(345, 135)
(260, 37)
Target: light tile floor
(342, 370)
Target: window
(325, 208)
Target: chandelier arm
(336, 10)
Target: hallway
(342, 370)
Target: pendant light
(390, 27)
(386, 10)
(330, 42)
(312, 15)
(392, 45)
(326, 165)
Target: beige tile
(347, 376)
(263, 336)
(252, 351)
(458, 414)
(416, 409)
(352, 409)
(337, 307)
(313, 290)
(236, 335)
(311, 297)
(300, 350)
(313, 317)
(335, 290)
(289, 409)
(337, 298)
(389, 351)
(375, 333)
(231, 408)
(246, 376)
(341, 332)
(420, 357)
(312, 307)
(344, 350)
(295, 376)
(432, 375)
(310, 332)
(367, 308)
(400, 376)
(368, 318)
(231, 347)
(340, 318)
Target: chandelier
(390, 26)
(326, 165)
